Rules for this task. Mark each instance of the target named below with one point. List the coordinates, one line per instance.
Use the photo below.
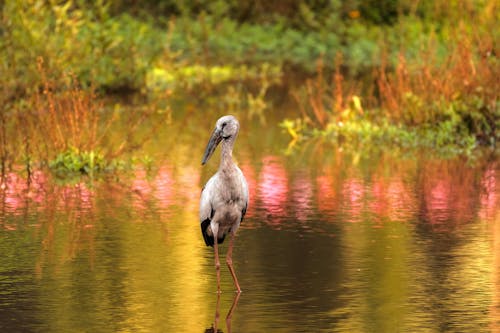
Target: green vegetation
(78, 162)
(441, 95)
(369, 73)
(458, 113)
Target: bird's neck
(226, 160)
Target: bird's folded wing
(206, 209)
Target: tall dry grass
(63, 116)
(326, 99)
(414, 91)
(426, 89)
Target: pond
(332, 242)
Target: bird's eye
(224, 124)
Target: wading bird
(224, 199)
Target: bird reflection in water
(229, 316)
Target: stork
(224, 198)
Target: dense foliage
(393, 70)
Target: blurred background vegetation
(399, 72)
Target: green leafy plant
(75, 161)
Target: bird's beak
(215, 139)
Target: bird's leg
(217, 262)
(231, 311)
(229, 261)
(216, 319)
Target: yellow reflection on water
(376, 278)
(495, 278)
(490, 211)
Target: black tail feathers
(209, 240)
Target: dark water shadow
(215, 326)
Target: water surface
(332, 242)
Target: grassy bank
(447, 103)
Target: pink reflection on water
(449, 194)
(392, 200)
(164, 186)
(14, 191)
(353, 193)
(326, 192)
(489, 207)
(273, 188)
(380, 203)
(38, 185)
(78, 195)
(302, 195)
(402, 204)
(189, 181)
(142, 189)
(17, 193)
(437, 203)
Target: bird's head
(226, 128)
